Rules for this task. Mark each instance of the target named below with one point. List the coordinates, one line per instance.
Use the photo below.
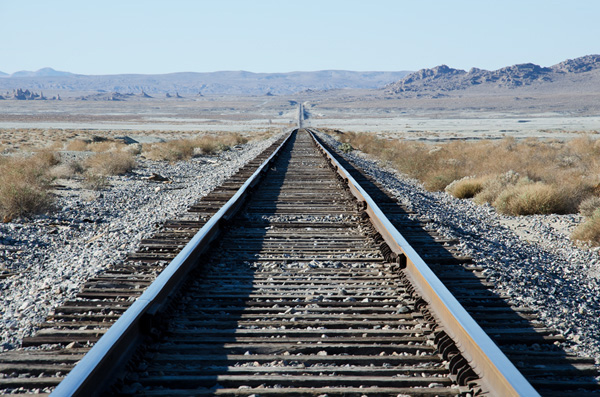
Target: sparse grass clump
(467, 187)
(106, 146)
(169, 151)
(110, 163)
(77, 145)
(589, 206)
(47, 158)
(206, 145)
(24, 187)
(184, 149)
(495, 185)
(95, 182)
(589, 230)
(532, 198)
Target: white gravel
(530, 258)
(54, 255)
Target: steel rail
(84, 378)
(497, 373)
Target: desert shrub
(95, 182)
(24, 187)
(169, 151)
(110, 163)
(437, 181)
(46, 158)
(106, 146)
(62, 171)
(589, 206)
(134, 149)
(184, 149)
(205, 145)
(416, 160)
(573, 165)
(67, 170)
(76, 167)
(589, 230)
(466, 187)
(532, 198)
(493, 186)
(234, 139)
(77, 145)
(346, 147)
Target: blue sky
(131, 36)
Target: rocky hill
(192, 84)
(444, 78)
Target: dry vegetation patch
(589, 231)
(467, 187)
(184, 149)
(110, 163)
(26, 180)
(530, 176)
(24, 186)
(77, 145)
(531, 199)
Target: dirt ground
(25, 123)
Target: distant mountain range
(189, 83)
(443, 78)
(44, 72)
(573, 76)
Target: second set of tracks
(303, 294)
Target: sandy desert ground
(172, 118)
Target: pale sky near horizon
(149, 36)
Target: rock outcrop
(26, 95)
(444, 78)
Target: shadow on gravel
(534, 350)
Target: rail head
(497, 373)
(82, 379)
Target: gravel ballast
(529, 258)
(51, 256)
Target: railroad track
(304, 293)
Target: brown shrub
(589, 230)
(589, 206)
(184, 149)
(171, 151)
(24, 187)
(110, 163)
(95, 182)
(106, 146)
(206, 145)
(77, 145)
(531, 199)
(495, 185)
(467, 187)
(46, 158)
(437, 181)
(573, 165)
